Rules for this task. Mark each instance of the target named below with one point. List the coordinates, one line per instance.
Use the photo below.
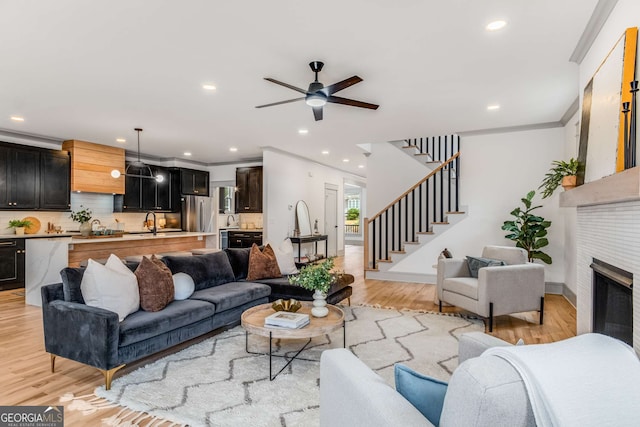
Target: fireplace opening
(612, 301)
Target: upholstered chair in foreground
(497, 290)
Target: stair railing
(412, 213)
(439, 148)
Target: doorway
(331, 218)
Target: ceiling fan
(318, 95)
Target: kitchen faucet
(155, 227)
(229, 222)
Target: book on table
(285, 319)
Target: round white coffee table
(252, 321)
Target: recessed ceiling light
(233, 149)
(121, 140)
(17, 118)
(345, 160)
(493, 107)
(209, 87)
(360, 166)
(325, 152)
(496, 25)
(303, 131)
(187, 153)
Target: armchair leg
(541, 309)
(108, 375)
(490, 317)
(440, 306)
(53, 362)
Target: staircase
(420, 214)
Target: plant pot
(85, 229)
(319, 304)
(569, 182)
(20, 231)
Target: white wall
(288, 179)
(497, 170)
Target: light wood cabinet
(91, 166)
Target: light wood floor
(25, 378)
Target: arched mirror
(303, 222)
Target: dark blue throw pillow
(476, 263)
(423, 392)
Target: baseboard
(570, 296)
(402, 277)
(556, 288)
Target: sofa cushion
(183, 286)
(262, 264)
(111, 286)
(205, 270)
(285, 257)
(155, 284)
(239, 259)
(476, 263)
(71, 281)
(423, 392)
(231, 295)
(142, 325)
(467, 286)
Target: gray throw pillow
(476, 263)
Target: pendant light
(143, 170)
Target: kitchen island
(46, 255)
(81, 249)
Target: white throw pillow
(183, 286)
(111, 286)
(284, 256)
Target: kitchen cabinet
(91, 166)
(194, 182)
(244, 238)
(249, 186)
(160, 195)
(55, 180)
(145, 194)
(19, 178)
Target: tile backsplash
(101, 206)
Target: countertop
(142, 236)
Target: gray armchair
(513, 288)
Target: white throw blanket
(589, 380)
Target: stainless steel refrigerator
(198, 213)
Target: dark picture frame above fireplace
(612, 301)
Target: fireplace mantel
(620, 187)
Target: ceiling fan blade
(317, 113)
(351, 102)
(330, 90)
(281, 102)
(297, 89)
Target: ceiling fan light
(315, 100)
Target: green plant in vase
(19, 225)
(317, 278)
(561, 172)
(83, 216)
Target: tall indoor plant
(561, 172)
(317, 278)
(529, 231)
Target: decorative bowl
(290, 305)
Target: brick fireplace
(608, 230)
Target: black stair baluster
(420, 229)
(373, 243)
(441, 195)
(406, 218)
(393, 227)
(386, 234)
(413, 215)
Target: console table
(309, 239)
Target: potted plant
(561, 173)
(317, 278)
(83, 216)
(529, 231)
(19, 225)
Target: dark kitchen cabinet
(34, 178)
(160, 195)
(132, 198)
(249, 189)
(19, 182)
(55, 180)
(244, 239)
(194, 182)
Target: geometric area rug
(217, 383)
